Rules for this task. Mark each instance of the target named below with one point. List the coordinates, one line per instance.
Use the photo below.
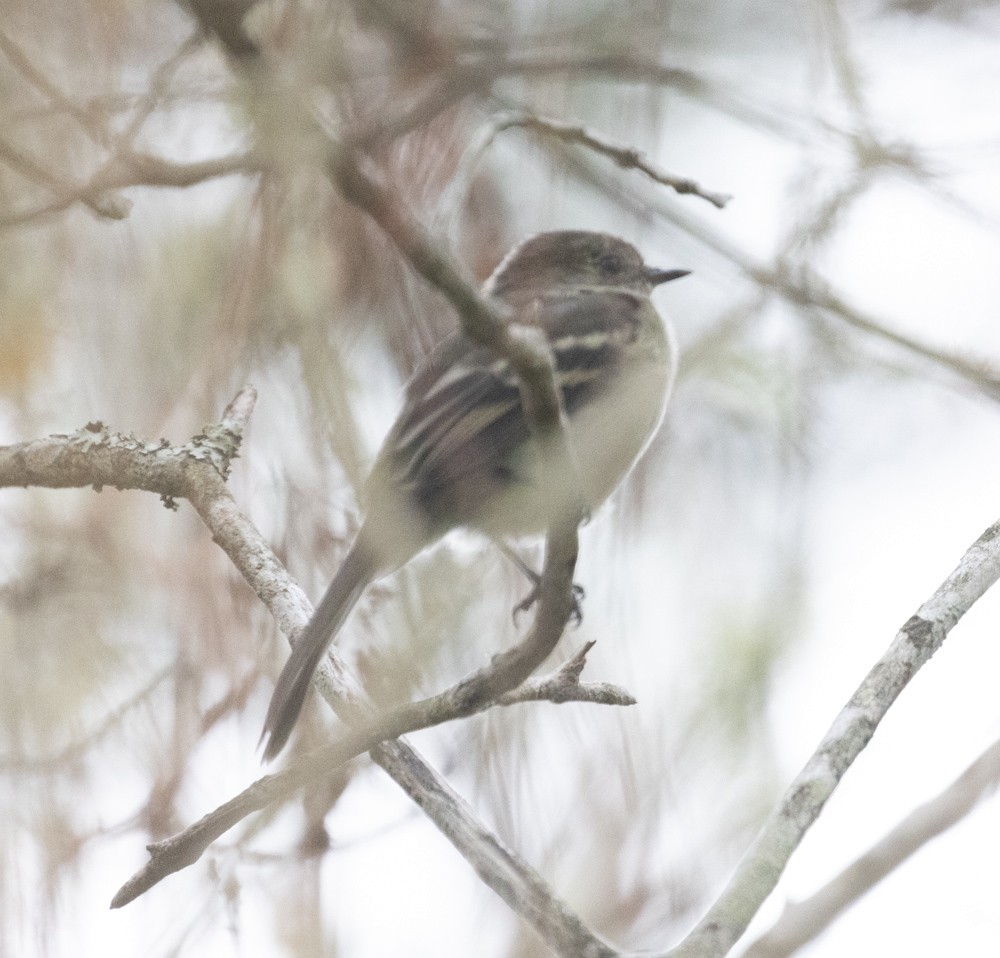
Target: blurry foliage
(25, 340)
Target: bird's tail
(354, 575)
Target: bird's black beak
(658, 276)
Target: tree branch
(25, 65)
(800, 288)
(96, 457)
(125, 170)
(564, 685)
(531, 358)
(183, 849)
(919, 638)
(516, 882)
(627, 158)
(803, 921)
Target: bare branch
(34, 170)
(814, 293)
(56, 762)
(627, 158)
(564, 685)
(627, 67)
(124, 171)
(95, 456)
(919, 638)
(21, 61)
(620, 66)
(803, 921)
(185, 848)
(516, 882)
(156, 90)
(800, 287)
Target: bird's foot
(575, 616)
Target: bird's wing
(463, 415)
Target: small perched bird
(461, 452)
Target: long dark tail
(351, 579)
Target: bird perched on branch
(462, 452)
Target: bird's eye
(610, 264)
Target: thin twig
(564, 685)
(627, 158)
(801, 288)
(86, 119)
(614, 65)
(34, 170)
(57, 761)
(156, 90)
(132, 169)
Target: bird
(461, 452)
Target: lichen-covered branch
(919, 638)
(95, 456)
(804, 920)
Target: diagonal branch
(919, 638)
(628, 158)
(803, 921)
(196, 471)
(516, 882)
(531, 358)
(534, 365)
(185, 848)
(23, 62)
(801, 288)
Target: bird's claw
(575, 616)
